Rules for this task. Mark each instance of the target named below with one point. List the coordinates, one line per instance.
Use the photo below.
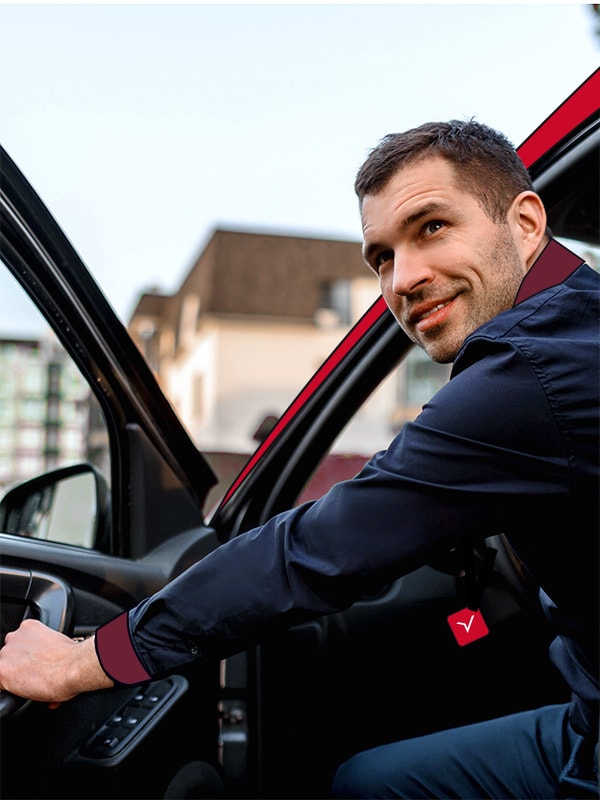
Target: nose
(411, 272)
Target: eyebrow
(425, 211)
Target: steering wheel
(29, 593)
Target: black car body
(276, 720)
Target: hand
(39, 663)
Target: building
(252, 320)
(44, 409)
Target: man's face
(444, 266)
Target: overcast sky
(145, 127)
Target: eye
(381, 258)
(433, 226)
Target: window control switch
(123, 731)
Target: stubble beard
(500, 260)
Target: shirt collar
(554, 265)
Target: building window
(33, 380)
(423, 378)
(336, 298)
(188, 321)
(31, 439)
(198, 397)
(32, 409)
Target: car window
(49, 420)
(398, 399)
(250, 407)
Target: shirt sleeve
(484, 446)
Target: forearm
(86, 673)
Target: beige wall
(245, 369)
(233, 371)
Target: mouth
(433, 310)
(431, 315)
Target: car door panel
(389, 668)
(77, 592)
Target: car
(82, 542)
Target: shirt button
(194, 649)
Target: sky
(145, 127)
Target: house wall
(239, 372)
(248, 327)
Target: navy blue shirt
(508, 446)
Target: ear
(527, 219)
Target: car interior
(273, 721)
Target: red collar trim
(554, 264)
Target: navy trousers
(534, 754)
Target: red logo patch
(467, 626)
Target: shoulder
(496, 396)
(552, 329)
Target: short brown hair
(488, 166)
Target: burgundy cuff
(116, 654)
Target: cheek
(386, 286)
(473, 263)
(385, 279)
(395, 302)
(448, 258)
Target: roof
(266, 274)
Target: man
(510, 445)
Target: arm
(464, 468)
(41, 664)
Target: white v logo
(466, 626)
